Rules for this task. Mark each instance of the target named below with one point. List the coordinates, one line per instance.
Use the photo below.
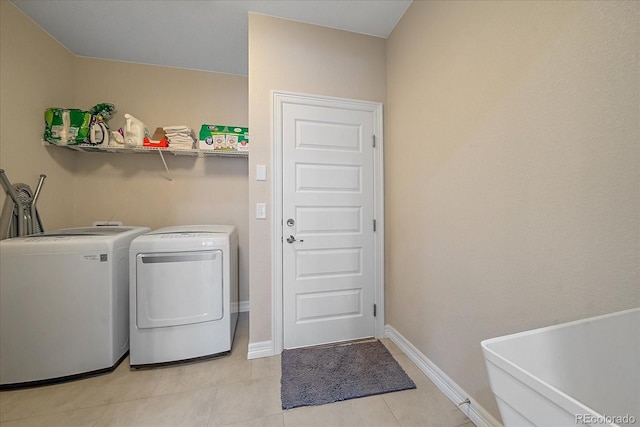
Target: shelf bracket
(165, 165)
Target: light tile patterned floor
(228, 391)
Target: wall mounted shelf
(87, 148)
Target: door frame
(279, 98)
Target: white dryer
(183, 293)
(64, 304)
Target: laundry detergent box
(223, 138)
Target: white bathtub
(585, 372)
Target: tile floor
(228, 391)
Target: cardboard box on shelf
(223, 138)
(158, 139)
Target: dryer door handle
(156, 259)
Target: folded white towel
(180, 139)
(176, 128)
(180, 136)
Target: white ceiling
(208, 35)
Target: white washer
(64, 304)
(183, 293)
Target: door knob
(292, 239)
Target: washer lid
(87, 231)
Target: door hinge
(374, 225)
(374, 140)
(375, 310)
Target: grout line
(391, 410)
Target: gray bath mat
(315, 376)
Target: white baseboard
(476, 413)
(260, 349)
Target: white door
(328, 248)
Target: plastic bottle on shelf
(134, 131)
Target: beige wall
(36, 72)
(295, 57)
(512, 172)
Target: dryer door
(178, 288)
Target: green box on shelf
(223, 138)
